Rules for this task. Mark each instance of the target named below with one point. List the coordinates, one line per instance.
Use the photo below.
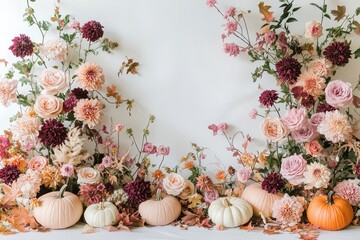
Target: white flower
(316, 175)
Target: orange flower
(90, 76)
(158, 174)
(248, 159)
(189, 165)
(18, 161)
(31, 113)
(221, 176)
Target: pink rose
(339, 94)
(232, 49)
(317, 118)
(53, 81)
(149, 148)
(88, 175)
(292, 169)
(54, 49)
(321, 67)
(67, 170)
(313, 30)
(305, 134)
(269, 37)
(37, 163)
(274, 129)
(8, 89)
(48, 106)
(211, 195)
(243, 174)
(106, 161)
(162, 150)
(231, 27)
(295, 118)
(174, 184)
(313, 148)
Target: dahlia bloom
(338, 53)
(92, 193)
(288, 69)
(288, 210)
(90, 76)
(316, 175)
(272, 183)
(8, 89)
(22, 46)
(137, 191)
(320, 67)
(312, 84)
(79, 93)
(70, 103)
(268, 98)
(89, 111)
(54, 49)
(9, 173)
(52, 133)
(92, 31)
(335, 127)
(325, 107)
(204, 183)
(349, 190)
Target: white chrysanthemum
(316, 175)
(335, 127)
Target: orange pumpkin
(330, 212)
(260, 199)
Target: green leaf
(23, 100)
(288, 7)
(317, 6)
(291, 20)
(357, 11)
(327, 16)
(24, 81)
(357, 53)
(296, 9)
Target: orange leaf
(339, 13)
(111, 91)
(10, 194)
(248, 228)
(270, 232)
(264, 10)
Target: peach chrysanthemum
(189, 165)
(221, 176)
(288, 210)
(204, 183)
(248, 159)
(51, 177)
(89, 111)
(90, 76)
(335, 127)
(8, 89)
(18, 160)
(312, 84)
(26, 130)
(316, 175)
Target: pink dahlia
(288, 69)
(312, 84)
(268, 98)
(335, 127)
(22, 46)
(52, 133)
(92, 31)
(92, 193)
(90, 76)
(349, 190)
(89, 111)
(288, 210)
(338, 53)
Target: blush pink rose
(338, 94)
(8, 89)
(295, 118)
(149, 148)
(317, 118)
(313, 148)
(88, 175)
(211, 195)
(54, 49)
(232, 49)
(313, 30)
(305, 134)
(174, 184)
(321, 67)
(37, 163)
(188, 190)
(53, 81)
(163, 150)
(274, 129)
(269, 37)
(48, 106)
(292, 169)
(243, 174)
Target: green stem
(330, 199)
(62, 191)
(158, 195)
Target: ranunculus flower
(174, 184)
(317, 118)
(37, 163)
(313, 30)
(304, 134)
(232, 49)
(53, 81)
(313, 148)
(149, 148)
(48, 106)
(67, 170)
(211, 195)
(243, 174)
(338, 94)
(88, 175)
(292, 169)
(54, 49)
(8, 89)
(270, 37)
(188, 190)
(295, 118)
(163, 150)
(274, 129)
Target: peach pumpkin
(58, 209)
(330, 212)
(160, 210)
(260, 199)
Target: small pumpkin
(160, 210)
(101, 214)
(230, 211)
(261, 200)
(330, 212)
(58, 209)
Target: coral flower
(312, 84)
(90, 76)
(89, 111)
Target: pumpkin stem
(330, 199)
(101, 206)
(62, 190)
(227, 203)
(158, 195)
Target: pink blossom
(305, 134)
(282, 41)
(223, 127)
(313, 30)
(231, 27)
(211, 195)
(5, 145)
(211, 3)
(119, 127)
(230, 12)
(349, 190)
(339, 94)
(202, 155)
(288, 210)
(232, 49)
(106, 161)
(292, 169)
(253, 113)
(269, 37)
(74, 24)
(67, 170)
(332, 164)
(149, 148)
(317, 118)
(243, 174)
(37, 163)
(295, 118)
(214, 128)
(223, 36)
(163, 150)
(8, 89)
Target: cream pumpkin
(260, 199)
(160, 210)
(230, 211)
(101, 214)
(58, 209)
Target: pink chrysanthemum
(253, 113)
(89, 111)
(92, 31)
(288, 210)
(90, 76)
(5, 145)
(92, 193)
(349, 190)
(22, 46)
(335, 127)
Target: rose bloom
(149, 148)
(88, 175)
(274, 129)
(317, 118)
(292, 169)
(335, 127)
(37, 163)
(270, 37)
(211, 195)
(48, 106)
(162, 150)
(316, 175)
(295, 118)
(305, 134)
(232, 49)
(313, 30)
(89, 111)
(320, 67)
(53, 81)
(312, 84)
(313, 148)
(8, 89)
(54, 49)
(339, 94)
(288, 210)
(243, 174)
(174, 184)
(188, 190)
(90, 76)
(26, 130)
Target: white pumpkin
(230, 211)
(101, 214)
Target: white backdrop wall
(185, 80)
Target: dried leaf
(339, 13)
(194, 200)
(111, 228)
(270, 232)
(20, 218)
(205, 223)
(309, 235)
(130, 66)
(5, 231)
(248, 227)
(10, 194)
(356, 101)
(264, 10)
(190, 218)
(88, 229)
(4, 61)
(111, 91)
(219, 227)
(356, 30)
(183, 227)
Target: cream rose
(188, 190)
(313, 30)
(48, 106)
(54, 49)
(53, 81)
(37, 163)
(88, 175)
(174, 184)
(274, 129)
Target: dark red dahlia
(308, 101)
(9, 173)
(325, 107)
(268, 98)
(79, 93)
(22, 46)
(338, 53)
(273, 183)
(92, 31)
(288, 69)
(138, 191)
(52, 133)
(357, 170)
(70, 103)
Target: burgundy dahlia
(268, 98)
(9, 173)
(70, 103)
(79, 93)
(325, 107)
(288, 69)
(92, 31)
(52, 133)
(338, 53)
(308, 101)
(357, 170)
(273, 183)
(138, 191)
(22, 46)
